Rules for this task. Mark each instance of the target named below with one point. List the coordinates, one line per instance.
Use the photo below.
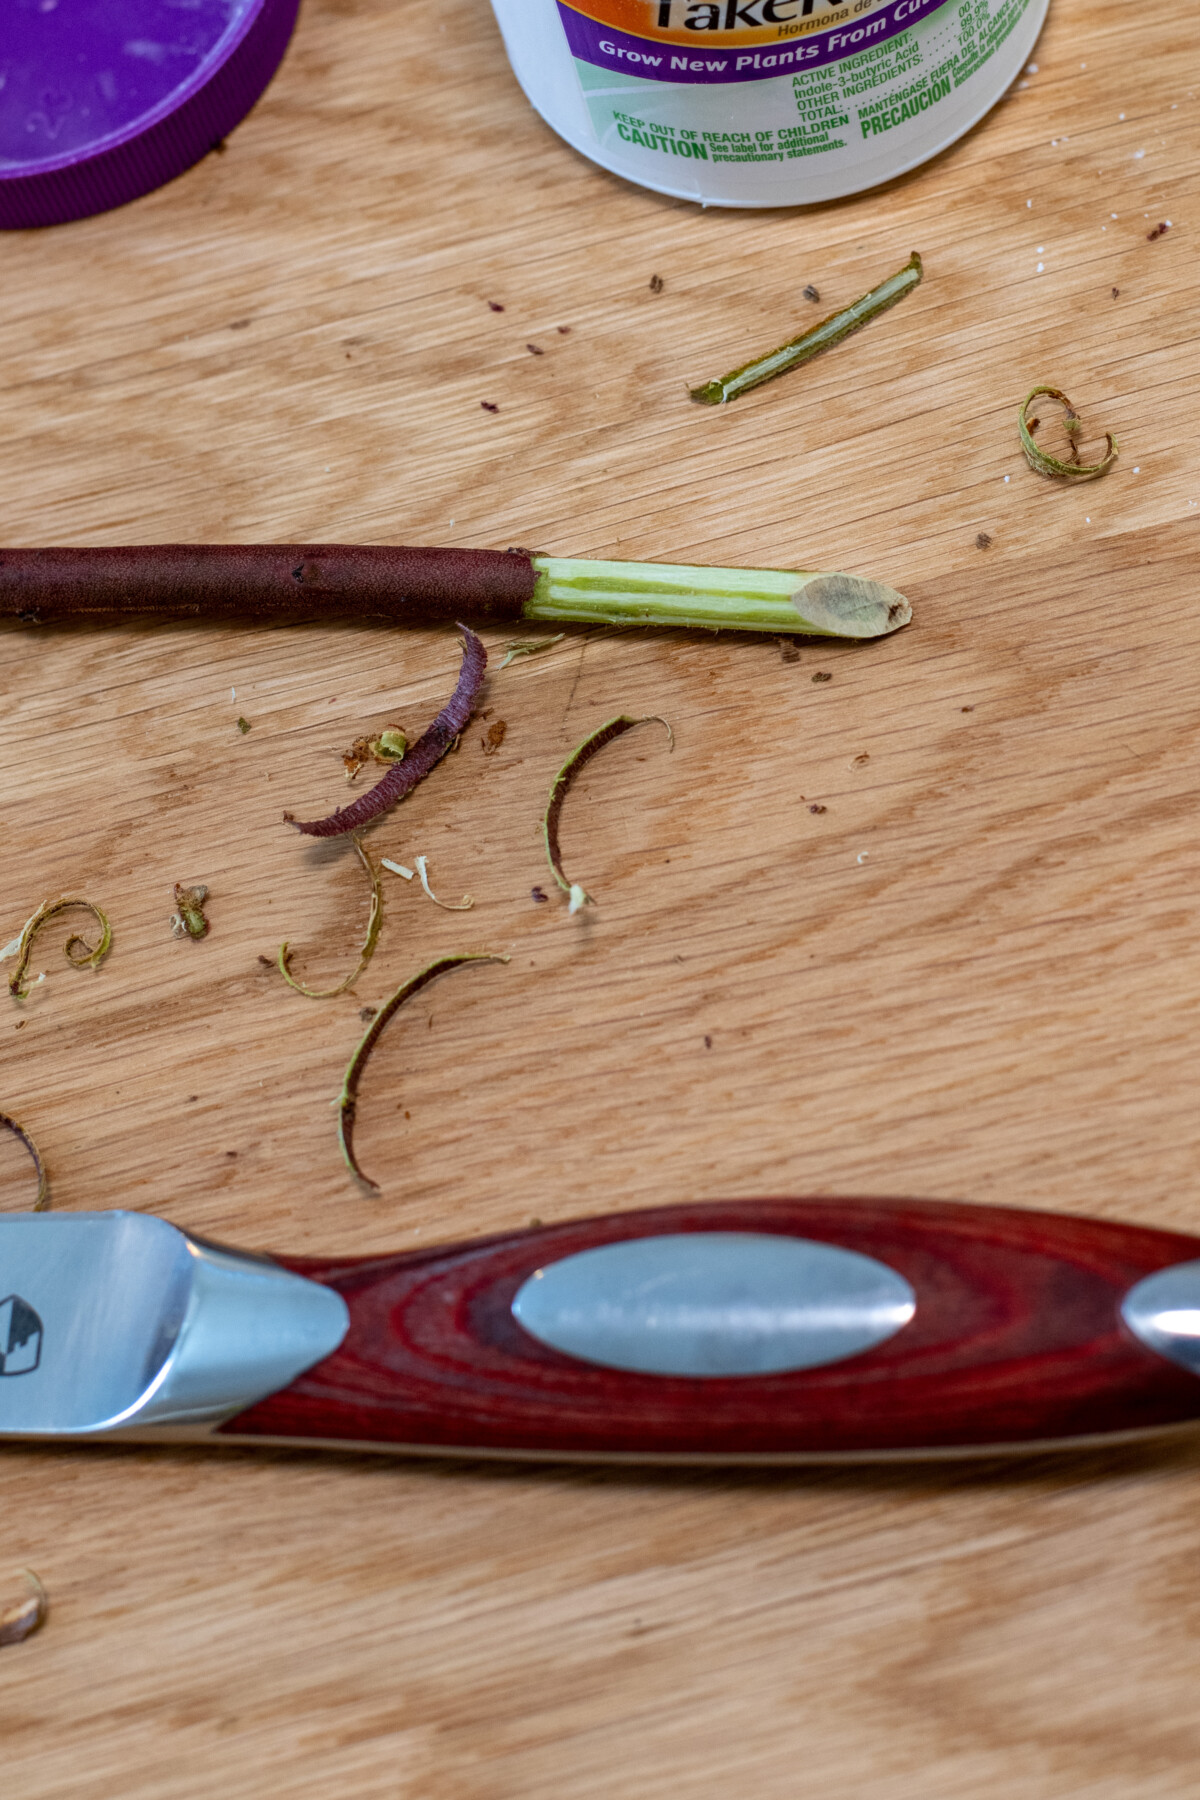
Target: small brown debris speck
(1159, 230)
(367, 1013)
(243, 726)
(983, 540)
(816, 809)
(267, 962)
(822, 675)
(968, 709)
(495, 306)
(1115, 292)
(657, 284)
(789, 652)
(707, 1041)
(534, 1222)
(535, 350)
(539, 895)
(496, 734)
(27, 1616)
(564, 331)
(861, 760)
(489, 406)
(811, 293)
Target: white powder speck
(1138, 155)
(1029, 203)
(1088, 520)
(1120, 115)
(1114, 215)
(1040, 267)
(1041, 249)
(1138, 470)
(862, 856)
(233, 694)
(1032, 70)
(1022, 84)
(1006, 480)
(1104, 228)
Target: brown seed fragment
(1159, 230)
(243, 726)
(657, 284)
(489, 406)
(1115, 292)
(822, 675)
(27, 1616)
(539, 895)
(983, 540)
(535, 350)
(495, 306)
(861, 760)
(811, 293)
(496, 733)
(816, 809)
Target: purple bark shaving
(425, 754)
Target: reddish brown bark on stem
(265, 581)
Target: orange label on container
(709, 24)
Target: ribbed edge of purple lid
(126, 170)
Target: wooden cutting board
(927, 926)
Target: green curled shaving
(42, 1200)
(348, 1098)
(374, 925)
(561, 787)
(529, 647)
(79, 953)
(1045, 464)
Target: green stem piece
(374, 925)
(1045, 464)
(42, 1200)
(810, 343)
(561, 787)
(529, 647)
(79, 954)
(348, 1098)
(576, 591)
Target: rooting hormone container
(765, 102)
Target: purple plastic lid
(102, 100)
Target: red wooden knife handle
(1016, 1339)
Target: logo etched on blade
(20, 1337)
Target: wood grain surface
(973, 975)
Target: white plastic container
(765, 102)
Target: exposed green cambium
(810, 343)
(779, 601)
(1042, 462)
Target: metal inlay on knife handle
(962, 1328)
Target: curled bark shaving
(77, 951)
(348, 1099)
(425, 754)
(463, 905)
(42, 1200)
(529, 647)
(27, 1616)
(562, 784)
(1045, 464)
(374, 925)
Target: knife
(744, 1331)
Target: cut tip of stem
(850, 606)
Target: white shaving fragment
(862, 856)
(579, 898)
(463, 905)
(11, 949)
(397, 868)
